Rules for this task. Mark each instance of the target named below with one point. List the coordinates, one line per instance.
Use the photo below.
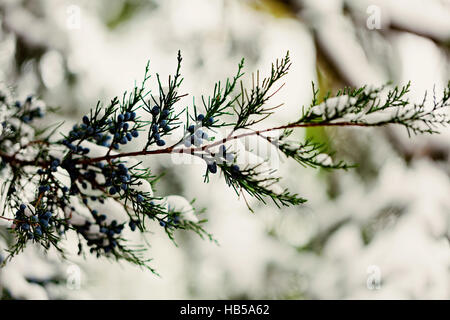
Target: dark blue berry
(160, 143)
(120, 118)
(191, 128)
(135, 133)
(165, 113)
(155, 110)
(43, 223)
(139, 198)
(43, 189)
(47, 215)
(212, 167)
(23, 207)
(162, 223)
(38, 231)
(200, 117)
(112, 190)
(132, 225)
(86, 119)
(235, 168)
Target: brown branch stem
(192, 150)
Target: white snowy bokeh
(391, 227)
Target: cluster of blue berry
(117, 177)
(52, 168)
(121, 129)
(82, 131)
(196, 134)
(110, 233)
(32, 223)
(29, 113)
(160, 124)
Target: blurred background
(380, 231)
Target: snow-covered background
(378, 231)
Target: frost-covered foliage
(55, 184)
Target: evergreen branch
(91, 155)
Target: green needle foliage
(42, 208)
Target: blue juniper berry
(212, 167)
(155, 111)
